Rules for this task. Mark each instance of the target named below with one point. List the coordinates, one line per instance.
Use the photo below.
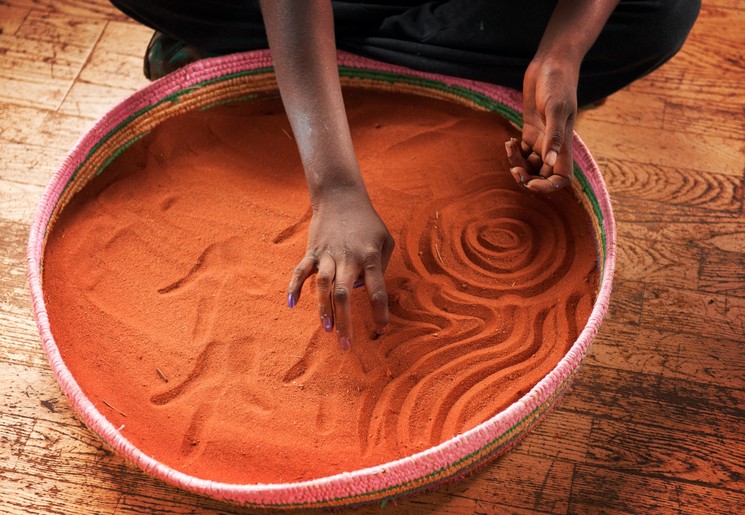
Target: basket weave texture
(243, 76)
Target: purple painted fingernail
(291, 300)
(358, 283)
(345, 343)
(328, 323)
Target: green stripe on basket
(117, 153)
(228, 101)
(173, 97)
(394, 78)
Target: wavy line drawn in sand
(488, 243)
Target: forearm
(301, 38)
(573, 28)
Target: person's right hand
(347, 241)
(542, 161)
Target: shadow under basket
(237, 77)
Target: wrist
(336, 186)
(563, 56)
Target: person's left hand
(348, 243)
(542, 161)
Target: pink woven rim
(349, 484)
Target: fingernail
(291, 300)
(328, 323)
(380, 331)
(358, 283)
(550, 158)
(515, 172)
(345, 343)
(508, 148)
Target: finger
(525, 147)
(520, 175)
(558, 181)
(324, 281)
(386, 251)
(564, 166)
(535, 162)
(515, 153)
(546, 171)
(345, 274)
(377, 293)
(302, 271)
(548, 184)
(519, 166)
(558, 117)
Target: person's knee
(665, 28)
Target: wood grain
(597, 490)
(670, 354)
(11, 18)
(655, 419)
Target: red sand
(166, 280)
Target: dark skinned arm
(542, 161)
(347, 239)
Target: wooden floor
(655, 421)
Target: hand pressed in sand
(346, 240)
(346, 237)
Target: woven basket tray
(241, 76)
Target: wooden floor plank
(726, 119)
(546, 483)
(115, 64)
(725, 234)
(125, 38)
(666, 453)
(11, 18)
(52, 28)
(669, 354)
(14, 433)
(41, 127)
(662, 262)
(605, 491)
(659, 401)
(627, 300)
(42, 81)
(562, 436)
(96, 9)
(723, 272)
(19, 200)
(699, 313)
(673, 189)
(615, 141)
(89, 100)
(625, 107)
(29, 164)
